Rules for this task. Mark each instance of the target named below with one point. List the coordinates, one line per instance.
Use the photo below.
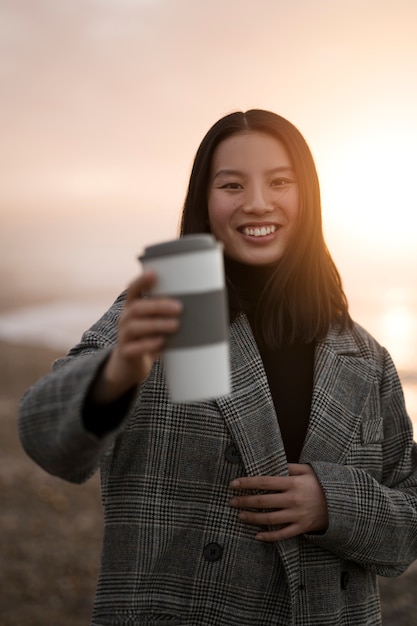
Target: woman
(280, 503)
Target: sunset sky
(104, 103)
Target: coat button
(212, 552)
(232, 454)
(344, 580)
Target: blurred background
(103, 105)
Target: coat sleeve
(51, 425)
(374, 522)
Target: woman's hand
(296, 503)
(143, 327)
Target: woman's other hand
(296, 503)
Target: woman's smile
(259, 231)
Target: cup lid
(186, 243)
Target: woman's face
(252, 198)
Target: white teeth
(259, 231)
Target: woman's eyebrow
(232, 172)
(227, 172)
(281, 169)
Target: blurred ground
(51, 531)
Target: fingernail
(235, 483)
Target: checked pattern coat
(174, 551)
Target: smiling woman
(312, 445)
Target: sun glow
(369, 189)
(410, 392)
(397, 327)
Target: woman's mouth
(258, 231)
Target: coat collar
(342, 383)
(344, 377)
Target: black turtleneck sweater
(289, 368)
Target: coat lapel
(249, 410)
(343, 381)
(250, 416)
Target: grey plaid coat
(174, 551)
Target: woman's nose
(257, 203)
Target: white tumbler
(196, 357)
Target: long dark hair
(303, 294)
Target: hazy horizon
(104, 103)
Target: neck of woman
(245, 285)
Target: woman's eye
(280, 182)
(231, 186)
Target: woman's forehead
(251, 149)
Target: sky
(104, 103)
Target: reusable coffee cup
(196, 357)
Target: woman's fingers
(261, 483)
(144, 325)
(296, 501)
(140, 286)
(147, 317)
(137, 328)
(267, 501)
